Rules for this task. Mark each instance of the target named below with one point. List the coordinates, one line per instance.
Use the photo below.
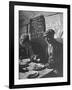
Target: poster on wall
(39, 44)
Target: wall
(52, 20)
(55, 22)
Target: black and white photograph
(40, 42)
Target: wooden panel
(37, 26)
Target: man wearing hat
(57, 54)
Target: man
(57, 52)
(25, 50)
(39, 47)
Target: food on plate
(23, 70)
(39, 66)
(24, 61)
(33, 74)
